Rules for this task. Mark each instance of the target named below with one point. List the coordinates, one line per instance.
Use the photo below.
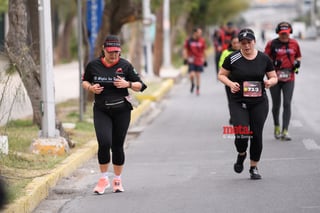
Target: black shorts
(195, 68)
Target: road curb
(38, 189)
(137, 112)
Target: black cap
(246, 34)
(112, 43)
(230, 24)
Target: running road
(182, 163)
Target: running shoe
(117, 185)
(238, 166)
(285, 136)
(277, 133)
(102, 185)
(198, 92)
(254, 174)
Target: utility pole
(166, 34)
(147, 18)
(50, 141)
(167, 70)
(47, 83)
(81, 93)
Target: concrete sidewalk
(67, 86)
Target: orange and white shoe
(117, 185)
(102, 185)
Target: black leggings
(228, 92)
(252, 116)
(287, 90)
(111, 126)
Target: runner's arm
(223, 77)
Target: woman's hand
(96, 88)
(268, 83)
(223, 77)
(272, 79)
(119, 82)
(234, 87)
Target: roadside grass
(20, 166)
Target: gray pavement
(66, 81)
(182, 162)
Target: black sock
(252, 168)
(192, 81)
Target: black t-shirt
(244, 70)
(96, 72)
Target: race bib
(284, 75)
(252, 89)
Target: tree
(158, 42)
(63, 26)
(22, 47)
(3, 5)
(187, 14)
(116, 13)
(134, 53)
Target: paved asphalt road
(182, 163)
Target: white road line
(310, 144)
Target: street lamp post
(50, 141)
(47, 83)
(167, 70)
(81, 93)
(166, 34)
(147, 16)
